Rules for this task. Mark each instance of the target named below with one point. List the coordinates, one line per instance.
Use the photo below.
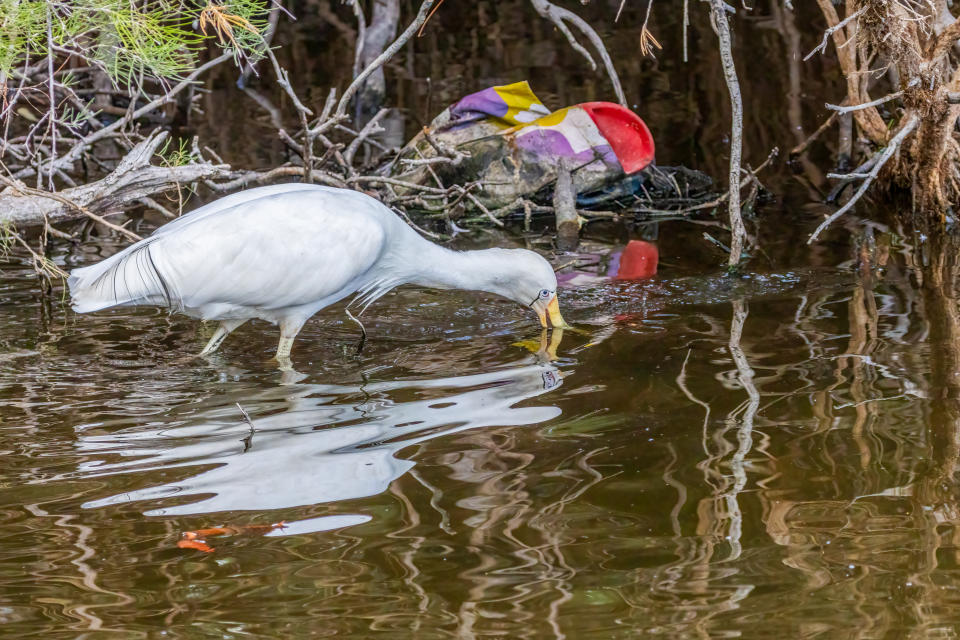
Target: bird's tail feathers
(128, 278)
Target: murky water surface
(655, 477)
(704, 457)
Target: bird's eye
(545, 293)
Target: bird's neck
(441, 268)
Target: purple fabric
(614, 267)
(553, 143)
(487, 102)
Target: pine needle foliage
(22, 29)
(130, 41)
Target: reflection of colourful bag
(515, 145)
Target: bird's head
(526, 278)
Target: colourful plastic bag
(512, 146)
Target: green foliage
(175, 156)
(22, 29)
(131, 41)
(7, 238)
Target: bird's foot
(283, 362)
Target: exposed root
(916, 41)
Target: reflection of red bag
(638, 260)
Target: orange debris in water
(196, 539)
(199, 545)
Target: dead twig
(67, 159)
(368, 130)
(800, 148)
(559, 17)
(882, 159)
(822, 47)
(380, 60)
(23, 190)
(865, 105)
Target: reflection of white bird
(284, 252)
(319, 449)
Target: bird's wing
(286, 250)
(226, 203)
(279, 250)
(130, 277)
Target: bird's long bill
(553, 311)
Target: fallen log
(22, 207)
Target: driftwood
(323, 147)
(135, 178)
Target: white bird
(284, 252)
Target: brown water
(657, 477)
(767, 457)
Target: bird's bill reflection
(546, 347)
(550, 344)
(551, 310)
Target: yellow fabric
(523, 105)
(552, 119)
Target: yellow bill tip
(555, 318)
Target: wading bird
(282, 253)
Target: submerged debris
(197, 539)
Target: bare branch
(738, 231)
(822, 47)
(371, 128)
(22, 190)
(884, 156)
(133, 179)
(361, 35)
(559, 16)
(380, 60)
(74, 153)
(865, 105)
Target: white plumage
(282, 253)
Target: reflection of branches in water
(935, 497)
(855, 505)
(84, 612)
(895, 512)
(698, 580)
(436, 496)
(744, 431)
(503, 518)
(406, 556)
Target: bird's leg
(225, 328)
(288, 331)
(363, 332)
(283, 349)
